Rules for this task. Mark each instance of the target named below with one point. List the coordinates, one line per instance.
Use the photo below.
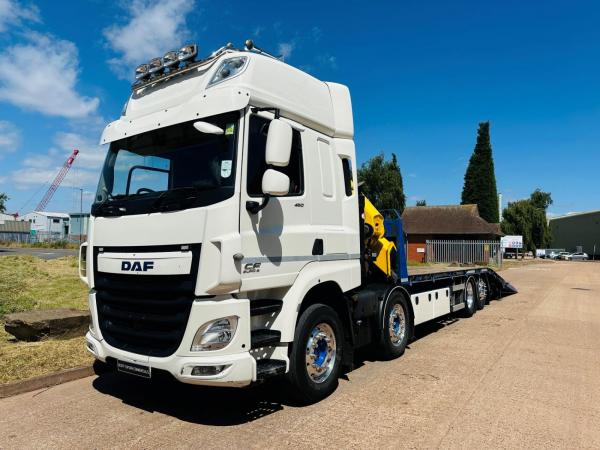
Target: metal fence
(10, 236)
(40, 236)
(464, 252)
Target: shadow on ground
(215, 405)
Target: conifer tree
(480, 179)
(383, 184)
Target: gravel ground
(524, 372)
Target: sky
(422, 75)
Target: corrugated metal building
(577, 230)
(15, 231)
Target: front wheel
(396, 326)
(315, 360)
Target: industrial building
(577, 232)
(48, 225)
(78, 226)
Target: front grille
(150, 326)
(145, 314)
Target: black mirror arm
(254, 207)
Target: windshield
(175, 167)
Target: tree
(528, 218)
(3, 199)
(480, 181)
(421, 203)
(383, 183)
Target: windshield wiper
(183, 193)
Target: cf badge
(251, 267)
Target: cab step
(264, 306)
(266, 368)
(264, 338)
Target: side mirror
(275, 183)
(279, 144)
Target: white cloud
(42, 76)
(10, 136)
(153, 28)
(91, 156)
(13, 13)
(40, 169)
(286, 49)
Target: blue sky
(422, 75)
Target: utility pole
(80, 214)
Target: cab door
(278, 240)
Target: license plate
(134, 369)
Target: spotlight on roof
(187, 53)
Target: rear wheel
(469, 294)
(483, 293)
(396, 326)
(315, 360)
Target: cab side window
(257, 142)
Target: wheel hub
(470, 295)
(320, 352)
(397, 324)
(482, 288)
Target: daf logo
(136, 266)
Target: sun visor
(204, 104)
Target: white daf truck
(229, 242)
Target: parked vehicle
(562, 255)
(579, 256)
(229, 243)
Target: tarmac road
(524, 372)
(44, 253)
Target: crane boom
(56, 183)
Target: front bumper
(240, 371)
(240, 364)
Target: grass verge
(27, 283)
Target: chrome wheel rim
(482, 289)
(397, 325)
(320, 353)
(470, 295)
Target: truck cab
(228, 185)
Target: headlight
(215, 335)
(228, 69)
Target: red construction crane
(56, 183)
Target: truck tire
(483, 292)
(397, 326)
(316, 356)
(470, 298)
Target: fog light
(207, 371)
(215, 335)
